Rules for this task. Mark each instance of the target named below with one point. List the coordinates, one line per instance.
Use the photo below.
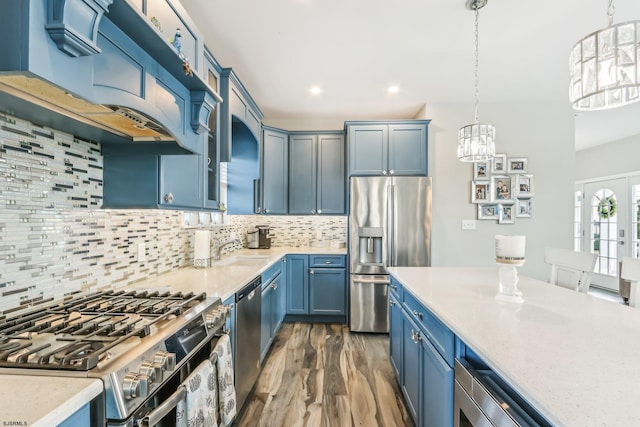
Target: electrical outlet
(468, 224)
(141, 252)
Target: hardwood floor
(325, 375)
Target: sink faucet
(217, 246)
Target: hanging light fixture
(476, 142)
(604, 67)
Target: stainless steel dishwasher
(248, 318)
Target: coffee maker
(259, 238)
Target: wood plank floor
(325, 375)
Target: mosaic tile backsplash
(55, 239)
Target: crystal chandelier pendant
(476, 142)
(603, 67)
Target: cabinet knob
(384, 172)
(391, 172)
(311, 272)
(394, 287)
(319, 211)
(168, 198)
(266, 210)
(417, 314)
(392, 303)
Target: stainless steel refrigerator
(389, 225)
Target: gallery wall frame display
(480, 191)
(481, 170)
(524, 186)
(489, 211)
(523, 208)
(517, 165)
(499, 164)
(503, 189)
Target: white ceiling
(355, 49)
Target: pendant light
(476, 142)
(604, 67)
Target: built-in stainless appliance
(248, 318)
(482, 399)
(142, 345)
(389, 225)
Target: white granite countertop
(40, 401)
(575, 357)
(225, 280)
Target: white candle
(510, 249)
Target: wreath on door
(607, 207)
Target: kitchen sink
(243, 260)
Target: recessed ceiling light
(393, 89)
(315, 90)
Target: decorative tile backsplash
(55, 238)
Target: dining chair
(630, 271)
(570, 269)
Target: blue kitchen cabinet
(137, 179)
(272, 305)
(80, 418)
(297, 284)
(327, 291)
(275, 176)
(421, 350)
(316, 287)
(387, 148)
(395, 335)
(238, 106)
(316, 173)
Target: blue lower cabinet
(265, 324)
(327, 291)
(436, 407)
(278, 303)
(297, 284)
(80, 418)
(395, 335)
(411, 382)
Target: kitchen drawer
(327, 261)
(437, 333)
(396, 290)
(269, 274)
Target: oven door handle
(155, 416)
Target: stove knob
(166, 360)
(152, 370)
(135, 385)
(212, 320)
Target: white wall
(614, 158)
(542, 132)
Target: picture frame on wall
(481, 170)
(506, 214)
(524, 186)
(523, 208)
(499, 164)
(517, 165)
(489, 211)
(501, 190)
(480, 191)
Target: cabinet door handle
(168, 198)
(394, 287)
(392, 303)
(311, 272)
(313, 211)
(266, 210)
(327, 262)
(417, 314)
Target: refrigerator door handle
(384, 281)
(389, 227)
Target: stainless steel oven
(483, 399)
(142, 345)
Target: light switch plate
(468, 224)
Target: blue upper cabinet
(387, 148)
(275, 164)
(316, 173)
(102, 70)
(237, 106)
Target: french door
(605, 226)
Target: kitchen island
(572, 356)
